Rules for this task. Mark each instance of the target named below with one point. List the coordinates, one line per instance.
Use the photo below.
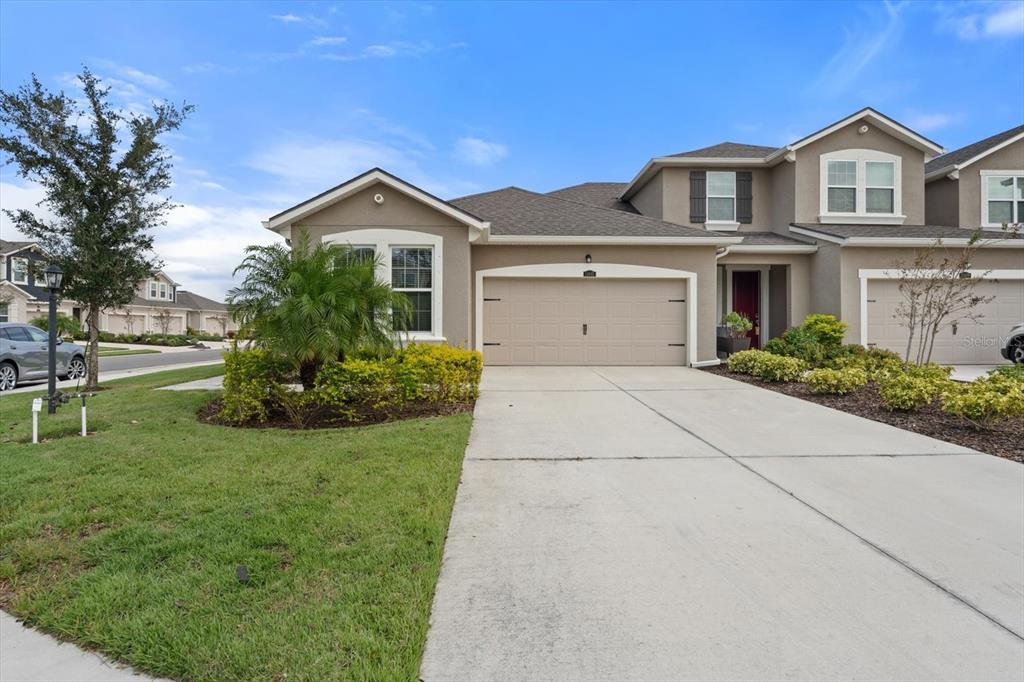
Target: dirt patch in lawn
(331, 419)
(1004, 439)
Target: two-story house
(642, 272)
(158, 300)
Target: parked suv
(1014, 350)
(24, 355)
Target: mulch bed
(328, 419)
(1004, 439)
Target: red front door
(746, 299)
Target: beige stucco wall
(808, 169)
(941, 202)
(650, 198)
(783, 196)
(697, 259)
(825, 267)
(399, 211)
(16, 304)
(854, 259)
(1007, 158)
(799, 281)
(677, 197)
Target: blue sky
(293, 98)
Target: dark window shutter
(698, 196)
(744, 197)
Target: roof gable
(728, 150)
(890, 126)
(282, 221)
(968, 154)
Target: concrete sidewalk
(27, 655)
(667, 523)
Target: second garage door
(970, 342)
(584, 322)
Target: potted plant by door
(738, 325)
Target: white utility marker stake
(37, 405)
(83, 415)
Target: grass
(128, 541)
(114, 351)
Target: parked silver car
(24, 355)
(1014, 350)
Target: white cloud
(477, 152)
(287, 18)
(320, 41)
(314, 162)
(134, 75)
(978, 20)
(928, 121)
(211, 185)
(393, 49)
(861, 46)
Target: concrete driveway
(666, 523)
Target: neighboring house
(158, 300)
(643, 272)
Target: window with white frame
(163, 290)
(19, 270)
(1003, 199)
(5, 312)
(412, 273)
(152, 290)
(861, 183)
(721, 197)
(842, 186)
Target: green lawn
(112, 351)
(128, 541)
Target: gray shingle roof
(970, 151)
(903, 231)
(8, 246)
(767, 239)
(515, 211)
(197, 302)
(730, 150)
(604, 194)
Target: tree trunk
(92, 380)
(307, 374)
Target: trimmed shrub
(904, 392)
(440, 373)
(251, 381)
(986, 400)
(67, 326)
(836, 381)
(359, 382)
(1011, 373)
(743, 362)
(828, 330)
(778, 368)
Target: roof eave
(956, 168)
(619, 240)
(652, 167)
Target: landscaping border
(1003, 439)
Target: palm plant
(315, 303)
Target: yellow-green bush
(778, 368)
(251, 380)
(359, 382)
(986, 400)
(836, 381)
(439, 373)
(904, 392)
(743, 362)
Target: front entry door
(746, 299)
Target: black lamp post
(54, 278)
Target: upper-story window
(721, 196)
(19, 270)
(860, 185)
(152, 289)
(1003, 198)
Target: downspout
(722, 252)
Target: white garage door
(970, 342)
(584, 322)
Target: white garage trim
(866, 274)
(604, 271)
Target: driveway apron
(667, 523)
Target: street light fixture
(54, 279)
